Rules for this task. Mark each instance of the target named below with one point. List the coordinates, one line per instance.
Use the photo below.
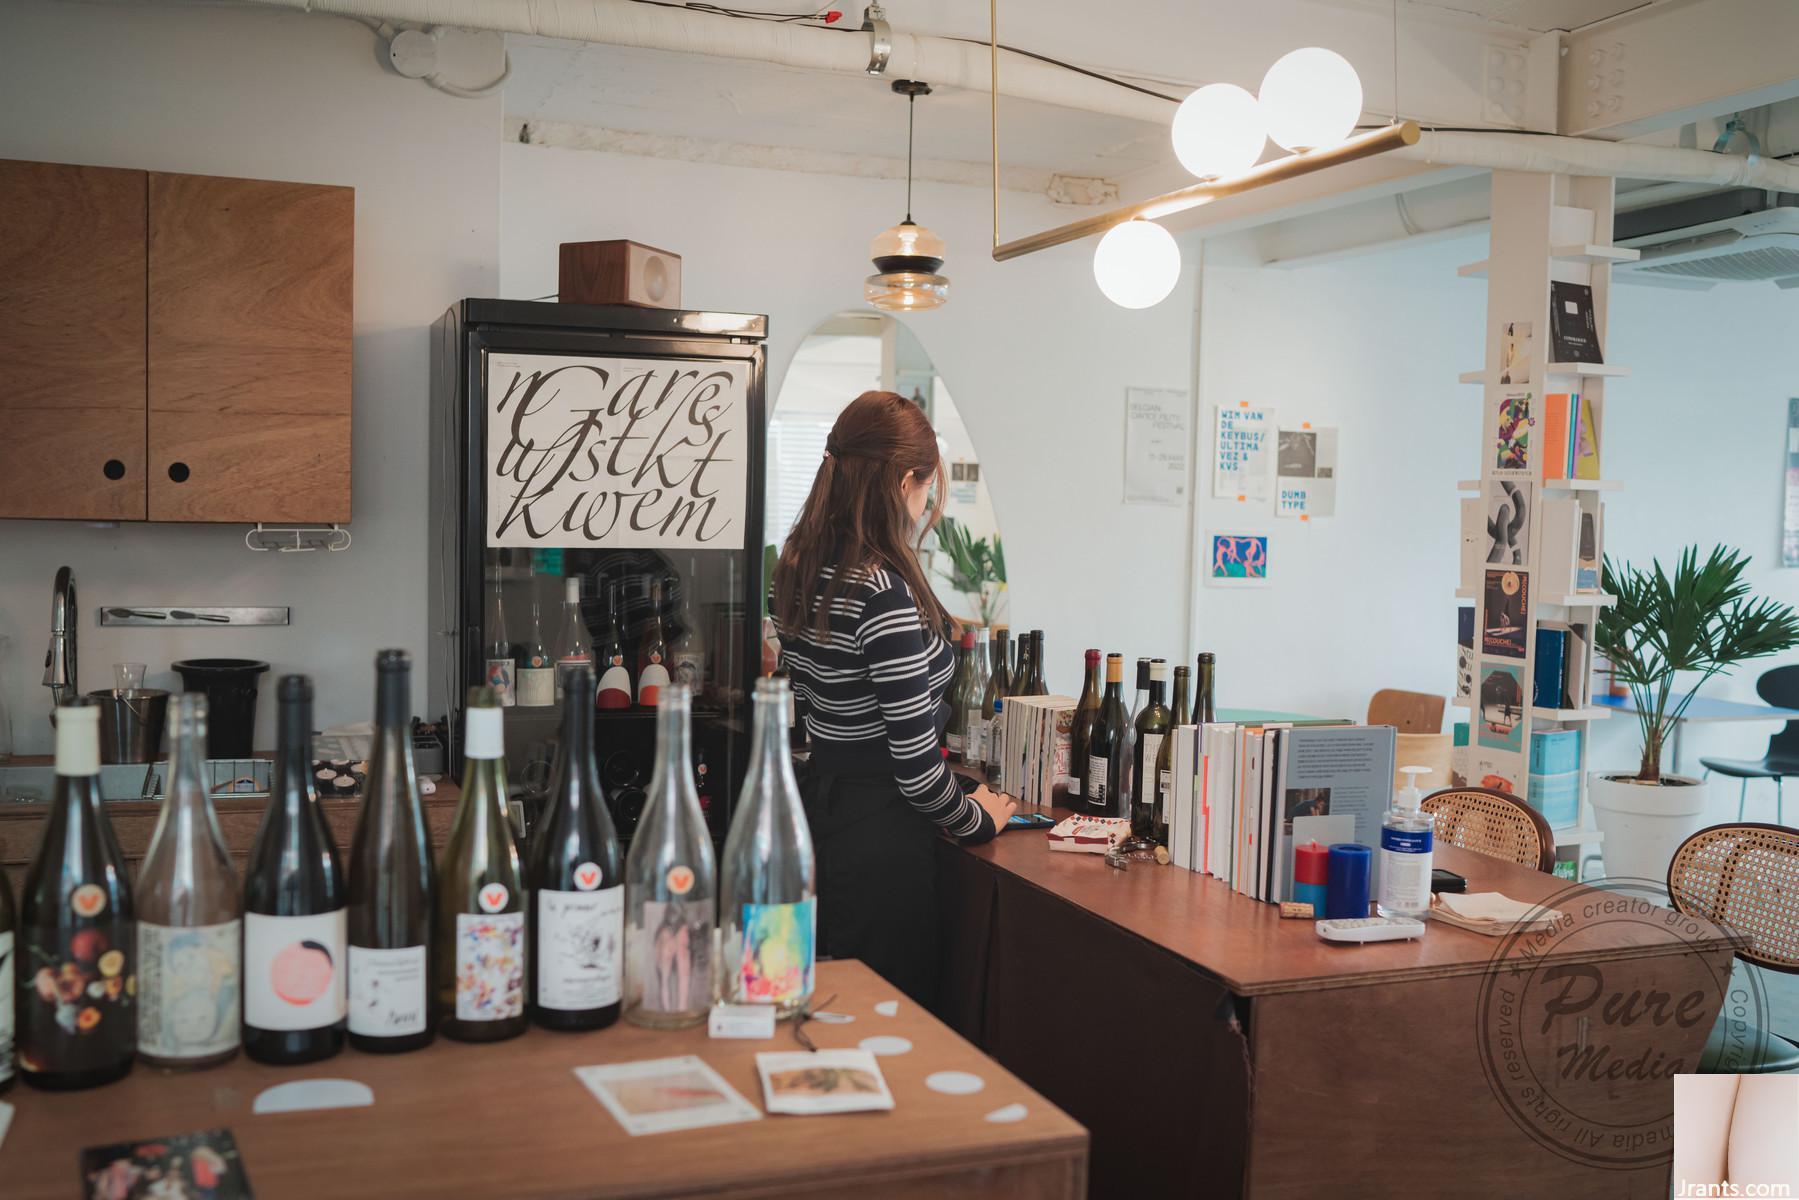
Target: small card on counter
(185, 1164)
(1088, 835)
(660, 1095)
(742, 1021)
(809, 1083)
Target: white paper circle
(954, 1083)
(832, 1018)
(1008, 1114)
(888, 1008)
(304, 1094)
(886, 1045)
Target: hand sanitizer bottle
(1406, 839)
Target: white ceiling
(1538, 16)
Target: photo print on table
(1502, 708)
(664, 1094)
(185, 1166)
(1514, 352)
(1511, 433)
(1508, 522)
(1238, 560)
(824, 1081)
(1506, 627)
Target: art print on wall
(1508, 522)
(1512, 433)
(1243, 453)
(1306, 473)
(1505, 605)
(1502, 708)
(1237, 560)
(1514, 352)
(589, 450)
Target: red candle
(1311, 864)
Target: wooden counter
(511, 1119)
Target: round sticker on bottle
(88, 900)
(587, 876)
(680, 880)
(493, 897)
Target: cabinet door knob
(114, 469)
(178, 472)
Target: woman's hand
(999, 806)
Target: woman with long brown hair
(865, 641)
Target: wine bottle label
(490, 965)
(580, 945)
(294, 970)
(76, 1010)
(671, 955)
(779, 950)
(500, 679)
(975, 749)
(1095, 792)
(537, 686)
(1167, 783)
(187, 992)
(1146, 779)
(953, 740)
(387, 991)
(615, 687)
(6, 1003)
(650, 682)
(690, 668)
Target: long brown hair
(855, 518)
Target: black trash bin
(230, 686)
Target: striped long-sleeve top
(879, 678)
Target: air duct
(1582, 156)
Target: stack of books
(1555, 776)
(1036, 733)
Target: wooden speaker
(619, 272)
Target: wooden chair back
(1433, 750)
(1408, 712)
(1496, 824)
(1744, 876)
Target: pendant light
(908, 256)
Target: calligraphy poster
(616, 452)
(1155, 446)
(1243, 453)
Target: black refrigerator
(598, 470)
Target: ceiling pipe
(1583, 156)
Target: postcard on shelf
(1511, 433)
(1502, 706)
(1508, 522)
(1496, 774)
(808, 1083)
(1306, 473)
(660, 1095)
(1588, 562)
(1506, 615)
(1243, 453)
(1238, 560)
(1574, 332)
(206, 1164)
(1514, 353)
(1464, 653)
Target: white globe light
(1218, 131)
(1136, 264)
(1311, 98)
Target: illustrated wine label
(690, 668)
(490, 965)
(1146, 779)
(294, 970)
(615, 684)
(580, 945)
(537, 684)
(779, 949)
(671, 956)
(650, 681)
(188, 984)
(387, 991)
(77, 1012)
(500, 679)
(6, 1003)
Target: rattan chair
(1496, 824)
(1744, 876)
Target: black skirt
(877, 876)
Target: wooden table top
(512, 1119)
(1246, 944)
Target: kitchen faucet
(59, 660)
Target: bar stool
(1779, 687)
(1496, 824)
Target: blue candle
(1346, 893)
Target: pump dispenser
(1406, 841)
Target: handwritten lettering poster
(626, 452)
(1243, 453)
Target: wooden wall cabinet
(178, 346)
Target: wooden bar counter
(1228, 1052)
(511, 1119)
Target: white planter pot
(1643, 823)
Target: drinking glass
(128, 677)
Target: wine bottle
(955, 733)
(9, 924)
(1080, 733)
(577, 883)
(391, 882)
(536, 667)
(1037, 686)
(1106, 787)
(974, 748)
(1021, 667)
(77, 985)
(1146, 750)
(652, 654)
(189, 917)
(768, 907)
(502, 668)
(1142, 691)
(1203, 712)
(572, 650)
(615, 677)
(671, 886)
(1165, 757)
(999, 686)
(296, 930)
(478, 943)
(687, 645)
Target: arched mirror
(855, 352)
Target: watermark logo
(1583, 1020)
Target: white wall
(272, 95)
(1037, 359)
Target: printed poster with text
(618, 452)
(1243, 453)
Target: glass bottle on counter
(671, 886)
(77, 940)
(1165, 757)
(391, 885)
(1037, 685)
(687, 645)
(1151, 729)
(296, 930)
(9, 924)
(536, 667)
(576, 881)
(1204, 681)
(1142, 692)
(999, 686)
(615, 678)
(955, 732)
(652, 654)
(1021, 666)
(1107, 787)
(572, 650)
(974, 746)
(478, 946)
(502, 667)
(768, 907)
(189, 925)
(1080, 733)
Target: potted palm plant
(974, 566)
(1699, 619)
